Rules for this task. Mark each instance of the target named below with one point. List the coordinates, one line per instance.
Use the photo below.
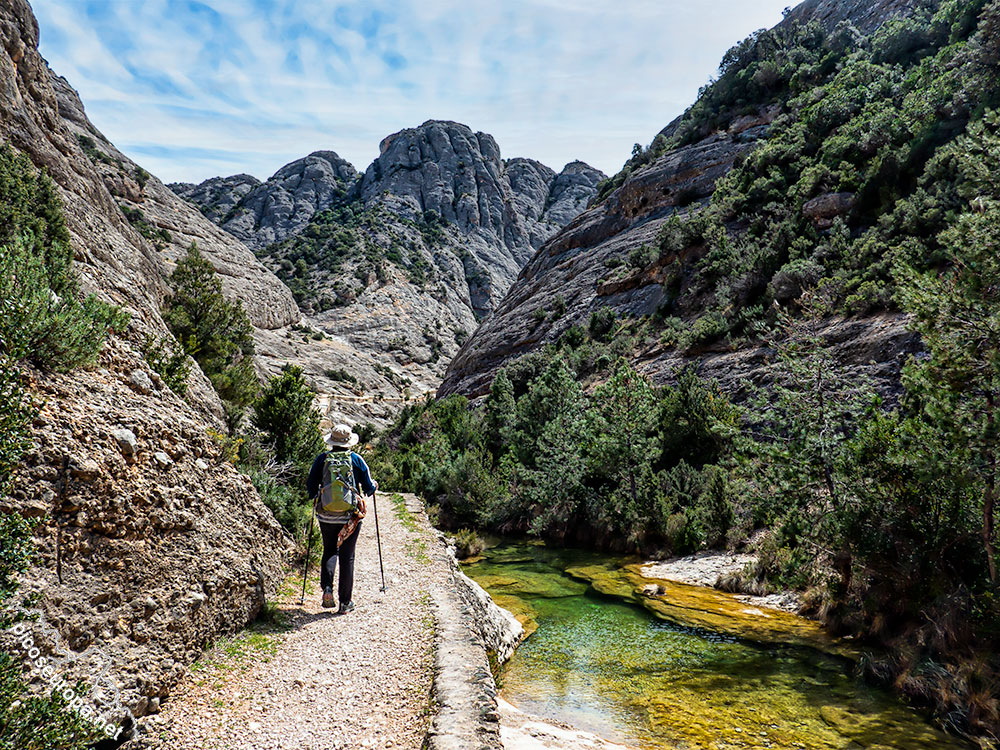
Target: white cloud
(194, 89)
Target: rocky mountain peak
(445, 167)
(439, 225)
(259, 213)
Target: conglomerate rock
(144, 558)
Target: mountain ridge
(403, 260)
(668, 181)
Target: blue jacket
(362, 476)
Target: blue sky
(196, 89)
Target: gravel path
(317, 680)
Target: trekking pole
(309, 536)
(378, 539)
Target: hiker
(334, 482)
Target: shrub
(674, 332)
(572, 337)
(159, 236)
(708, 328)
(467, 543)
(39, 722)
(641, 257)
(55, 332)
(366, 432)
(170, 361)
(141, 177)
(43, 319)
(602, 323)
(286, 501)
(341, 375)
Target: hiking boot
(345, 607)
(328, 601)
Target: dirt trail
(315, 680)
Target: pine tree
(799, 437)
(957, 313)
(623, 446)
(498, 421)
(285, 413)
(213, 330)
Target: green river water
(609, 666)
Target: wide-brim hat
(341, 436)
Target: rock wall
(172, 224)
(149, 545)
(500, 630)
(572, 263)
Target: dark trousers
(346, 555)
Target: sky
(191, 90)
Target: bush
(572, 337)
(288, 503)
(642, 256)
(213, 330)
(467, 543)
(39, 722)
(54, 332)
(602, 323)
(170, 361)
(341, 375)
(16, 553)
(708, 328)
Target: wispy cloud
(194, 89)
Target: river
(611, 667)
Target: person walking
(336, 482)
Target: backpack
(339, 494)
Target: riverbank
(706, 568)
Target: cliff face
(149, 545)
(399, 264)
(865, 15)
(573, 264)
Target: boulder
(823, 209)
(127, 442)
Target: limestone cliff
(149, 545)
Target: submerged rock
(708, 609)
